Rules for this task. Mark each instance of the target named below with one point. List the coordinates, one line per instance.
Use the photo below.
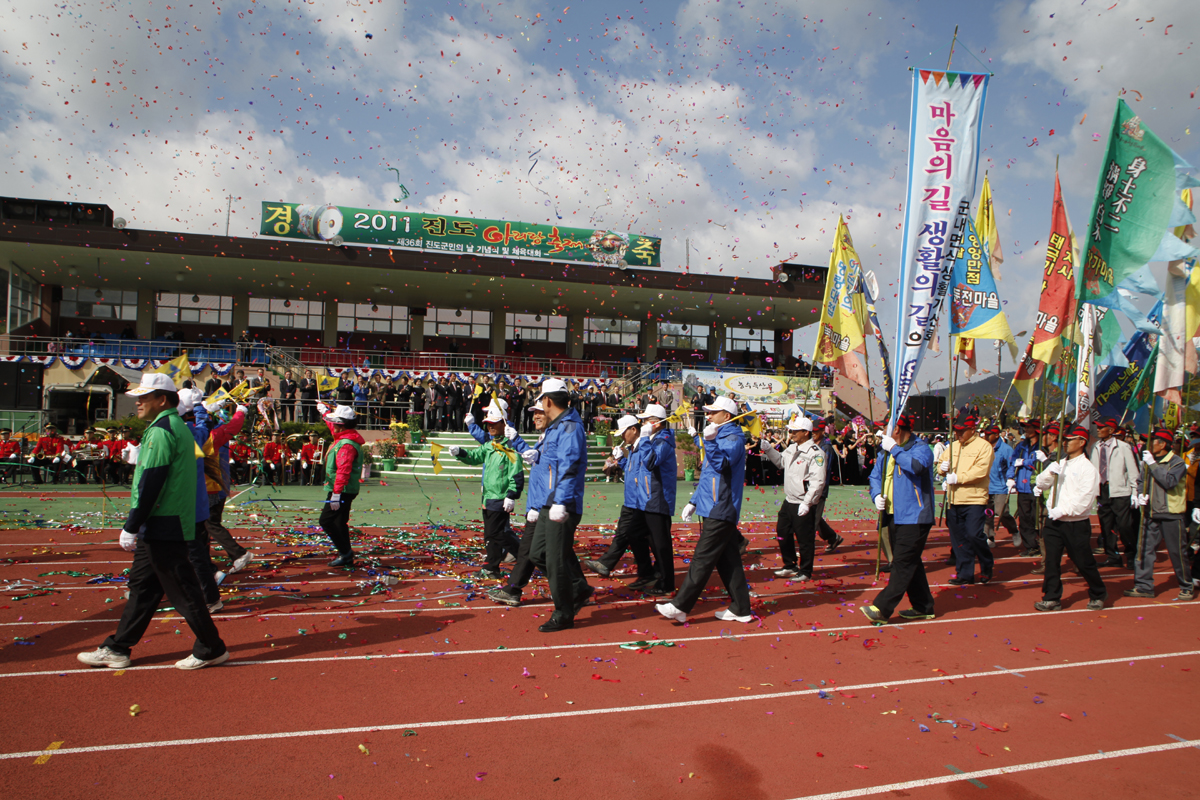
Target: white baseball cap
(536, 406)
(343, 414)
(551, 385)
(153, 382)
(626, 422)
(799, 423)
(653, 410)
(501, 407)
(723, 404)
(493, 414)
(187, 400)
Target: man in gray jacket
(804, 466)
(1120, 478)
(1167, 504)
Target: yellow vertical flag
(180, 369)
(435, 449)
(985, 223)
(840, 333)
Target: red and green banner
(466, 235)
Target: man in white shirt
(1119, 481)
(804, 468)
(1070, 486)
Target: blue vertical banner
(943, 164)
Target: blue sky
(745, 127)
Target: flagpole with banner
(944, 142)
(840, 337)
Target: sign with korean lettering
(1115, 387)
(440, 232)
(975, 308)
(769, 393)
(1134, 197)
(943, 157)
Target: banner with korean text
(943, 148)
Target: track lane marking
(49, 751)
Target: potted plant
(416, 427)
(385, 451)
(602, 429)
(691, 460)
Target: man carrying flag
(1166, 505)
(966, 464)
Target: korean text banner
(975, 308)
(947, 111)
(483, 237)
(770, 394)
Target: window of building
(305, 315)
(194, 309)
(622, 332)
(82, 302)
(372, 318)
(535, 327)
(24, 299)
(683, 337)
(458, 324)
(757, 339)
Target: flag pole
(882, 538)
(1014, 380)
(950, 413)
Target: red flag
(1056, 309)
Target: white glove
(710, 431)
(322, 407)
(688, 511)
(532, 515)
(454, 450)
(944, 467)
(1020, 462)
(1196, 515)
(1012, 486)
(1055, 468)
(888, 443)
(531, 457)
(29, 460)
(509, 505)
(213, 408)
(59, 458)
(243, 411)
(1041, 457)
(880, 502)
(648, 429)
(1148, 457)
(1055, 513)
(691, 431)
(304, 464)
(558, 513)
(335, 501)
(468, 419)
(1143, 500)
(617, 452)
(951, 479)
(510, 432)
(128, 541)
(803, 509)
(1037, 492)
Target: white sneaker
(509, 558)
(725, 615)
(240, 563)
(669, 611)
(215, 607)
(191, 662)
(787, 572)
(104, 657)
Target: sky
(738, 127)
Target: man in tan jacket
(967, 464)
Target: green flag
(1134, 198)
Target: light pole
(1000, 352)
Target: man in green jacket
(161, 522)
(503, 480)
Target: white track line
(591, 712)
(562, 647)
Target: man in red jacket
(273, 460)
(311, 455)
(240, 455)
(343, 467)
(48, 455)
(10, 455)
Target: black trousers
(218, 533)
(967, 540)
(1027, 518)
(908, 571)
(791, 528)
(9, 468)
(162, 567)
(336, 524)
(312, 475)
(659, 528)
(201, 560)
(1116, 523)
(308, 409)
(522, 571)
(823, 528)
(1076, 539)
(631, 535)
(553, 552)
(716, 549)
(46, 466)
(498, 539)
(275, 472)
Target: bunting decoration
(72, 362)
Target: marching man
(804, 469)
(1166, 504)
(343, 468)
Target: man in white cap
(513, 439)
(343, 471)
(804, 469)
(718, 500)
(564, 456)
(161, 523)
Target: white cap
(551, 385)
(723, 404)
(536, 406)
(653, 410)
(153, 382)
(626, 422)
(187, 400)
(501, 407)
(342, 414)
(799, 423)
(493, 414)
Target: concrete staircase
(419, 463)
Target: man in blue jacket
(630, 533)
(902, 485)
(564, 456)
(718, 500)
(1022, 471)
(998, 489)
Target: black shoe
(503, 596)
(596, 567)
(832, 547)
(654, 591)
(912, 613)
(1111, 561)
(552, 625)
(1030, 552)
(985, 578)
(951, 561)
(582, 599)
(641, 583)
(884, 568)
(343, 560)
(743, 547)
(957, 581)
(1138, 593)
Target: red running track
(427, 690)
